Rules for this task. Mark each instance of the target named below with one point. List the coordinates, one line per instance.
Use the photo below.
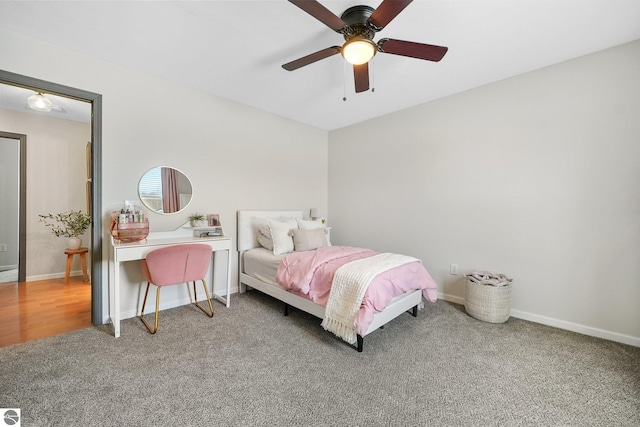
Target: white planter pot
(75, 242)
(201, 223)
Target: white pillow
(304, 224)
(264, 232)
(282, 242)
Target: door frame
(95, 100)
(22, 201)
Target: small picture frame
(214, 220)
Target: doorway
(96, 174)
(13, 193)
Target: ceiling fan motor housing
(356, 18)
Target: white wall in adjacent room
(56, 177)
(9, 201)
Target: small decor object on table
(197, 220)
(210, 228)
(129, 225)
(213, 219)
(216, 231)
(71, 224)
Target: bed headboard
(250, 221)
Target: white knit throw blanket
(350, 283)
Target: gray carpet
(251, 366)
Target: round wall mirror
(165, 190)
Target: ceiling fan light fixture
(39, 102)
(359, 50)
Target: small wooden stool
(70, 253)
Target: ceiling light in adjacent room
(359, 50)
(39, 102)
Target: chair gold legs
(154, 329)
(195, 297)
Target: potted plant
(71, 224)
(197, 220)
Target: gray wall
(535, 176)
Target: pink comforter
(310, 274)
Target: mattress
(262, 264)
(393, 284)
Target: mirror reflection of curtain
(170, 196)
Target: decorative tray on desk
(215, 231)
(130, 232)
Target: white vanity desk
(134, 251)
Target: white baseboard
(55, 276)
(576, 327)
(561, 324)
(451, 298)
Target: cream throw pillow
(305, 224)
(265, 242)
(308, 240)
(282, 242)
(264, 236)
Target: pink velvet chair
(172, 266)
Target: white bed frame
(248, 223)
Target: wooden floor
(34, 310)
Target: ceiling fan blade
(321, 13)
(428, 52)
(387, 10)
(310, 59)
(361, 77)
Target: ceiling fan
(358, 25)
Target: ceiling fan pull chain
(373, 75)
(344, 83)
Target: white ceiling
(15, 98)
(235, 49)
